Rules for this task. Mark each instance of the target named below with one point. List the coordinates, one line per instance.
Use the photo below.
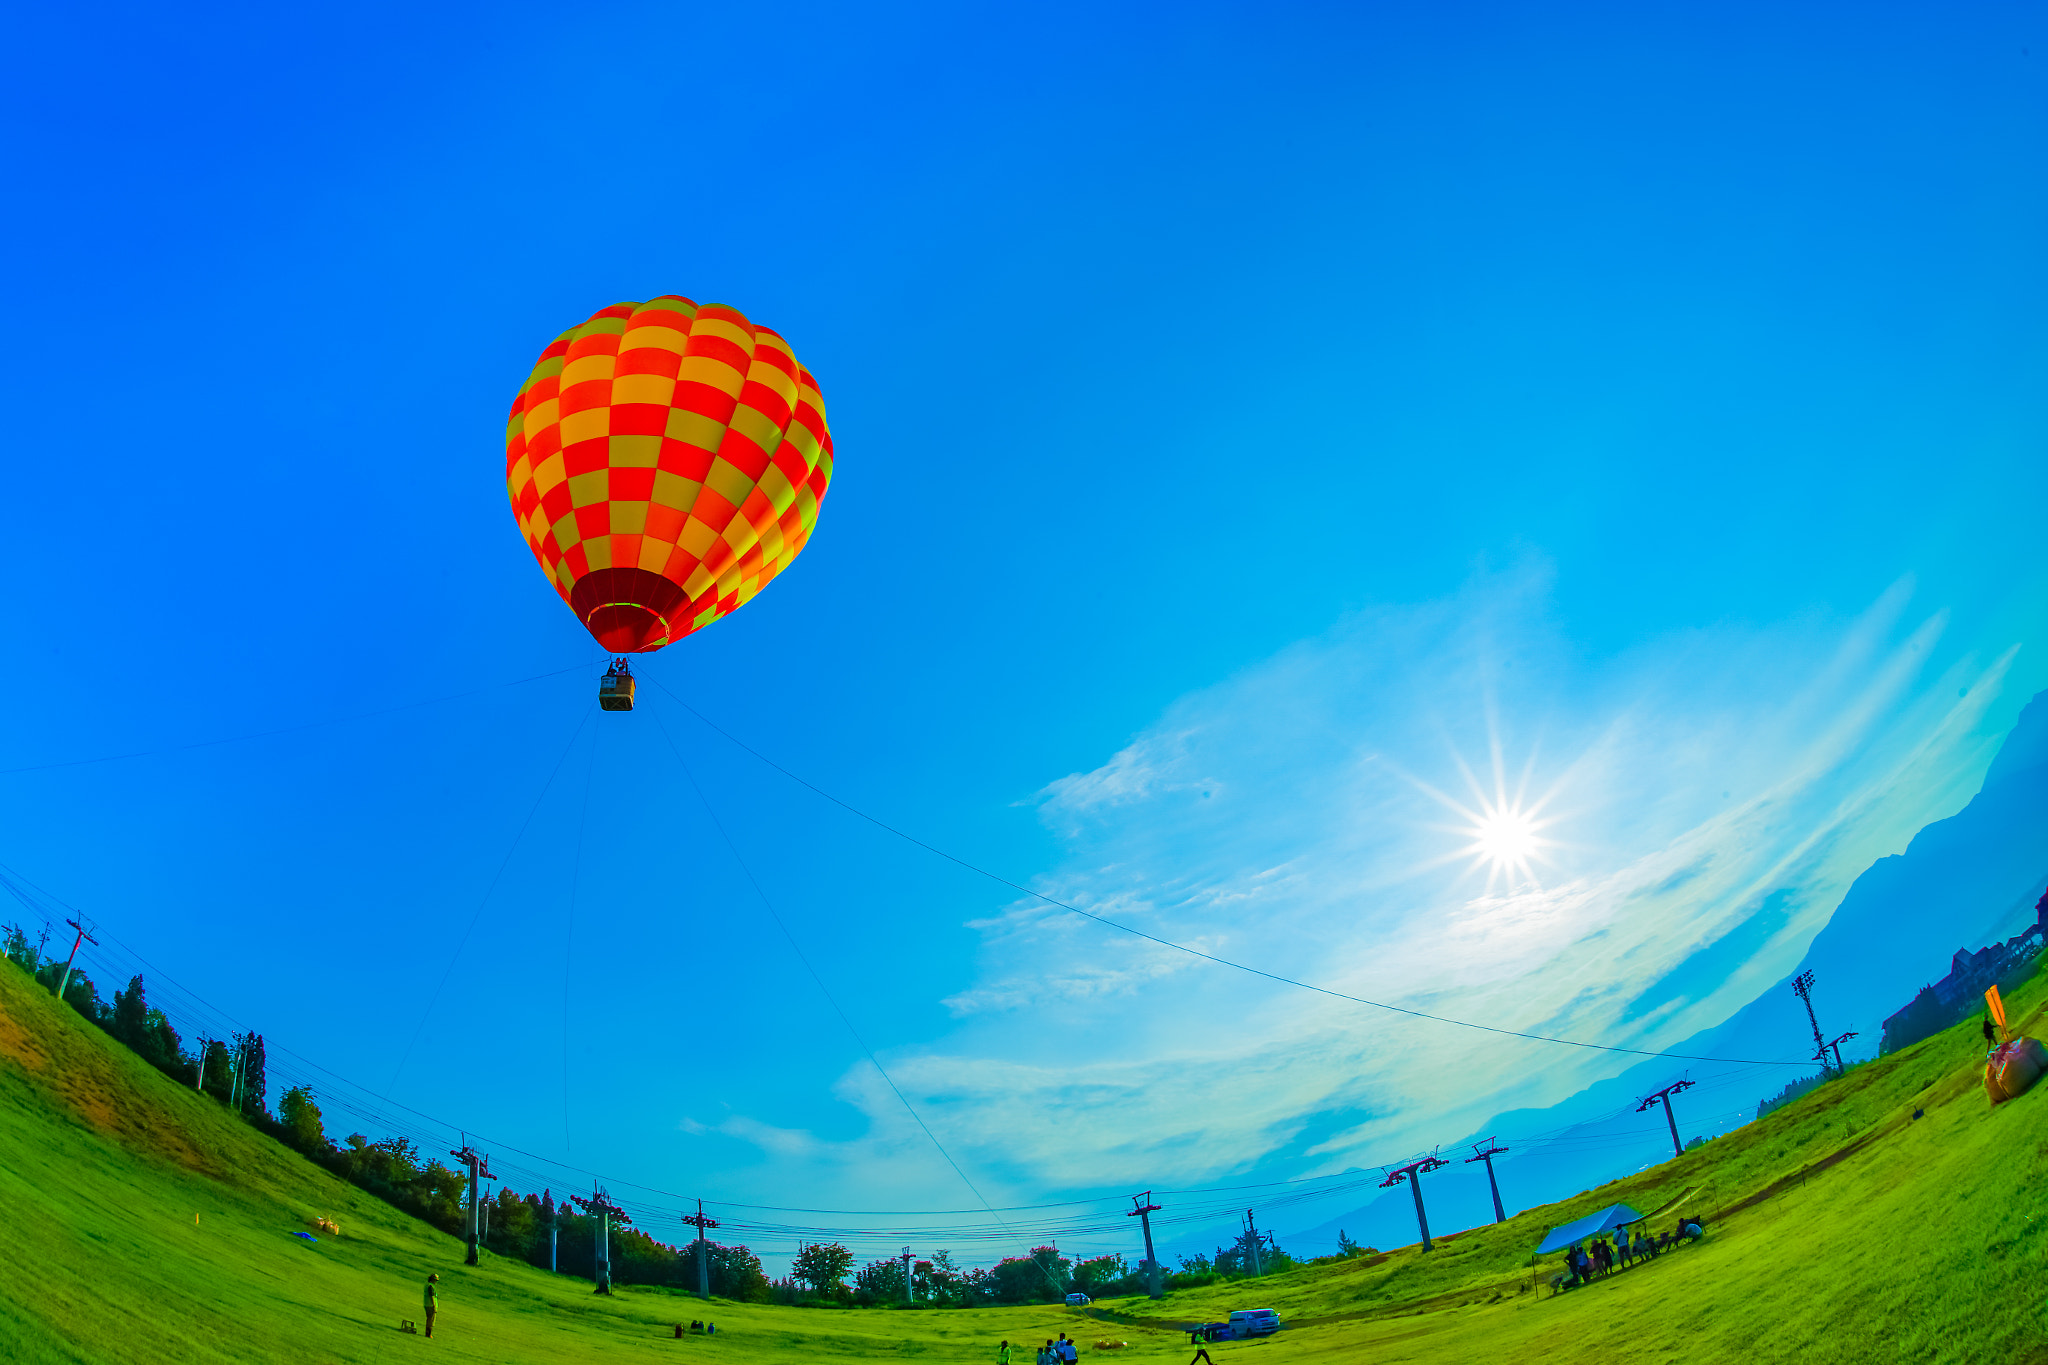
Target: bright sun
(1506, 837)
(1504, 829)
(1507, 842)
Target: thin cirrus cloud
(1703, 799)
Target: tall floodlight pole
(1663, 1097)
(700, 1222)
(84, 936)
(1413, 1173)
(1143, 1213)
(479, 1168)
(1487, 1151)
(1802, 986)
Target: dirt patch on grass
(15, 1043)
(94, 1077)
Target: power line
(477, 914)
(286, 729)
(1104, 920)
(825, 990)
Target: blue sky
(1248, 418)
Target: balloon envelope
(665, 460)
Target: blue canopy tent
(1592, 1225)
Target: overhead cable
(1105, 921)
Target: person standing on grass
(1067, 1350)
(1003, 1352)
(432, 1306)
(1621, 1242)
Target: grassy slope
(1901, 1240)
(1842, 1229)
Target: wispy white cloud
(1712, 793)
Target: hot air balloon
(664, 460)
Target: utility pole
(1487, 1151)
(1413, 1173)
(84, 935)
(1802, 986)
(200, 1084)
(1143, 1213)
(1836, 1048)
(1664, 1097)
(700, 1222)
(554, 1234)
(1251, 1242)
(906, 1275)
(479, 1167)
(235, 1069)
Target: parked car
(1253, 1322)
(1211, 1331)
(1078, 1300)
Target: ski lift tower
(1486, 1152)
(1413, 1173)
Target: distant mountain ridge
(1963, 881)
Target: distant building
(1969, 974)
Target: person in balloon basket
(432, 1304)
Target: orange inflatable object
(2013, 1068)
(665, 460)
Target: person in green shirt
(431, 1305)
(1003, 1354)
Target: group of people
(1061, 1352)
(1600, 1258)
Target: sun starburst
(1503, 830)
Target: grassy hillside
(142, 1222)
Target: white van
(1078, 1300)
(1253, 1322)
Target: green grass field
(141, 1222)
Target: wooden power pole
(84, 936)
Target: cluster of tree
(536, 1229)
(1237, 1260)
(232, 1071)
(530, 1227)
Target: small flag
(1997, 1006)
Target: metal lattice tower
(1802, 986)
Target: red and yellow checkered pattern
(665, 460)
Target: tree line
(541, 1231)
